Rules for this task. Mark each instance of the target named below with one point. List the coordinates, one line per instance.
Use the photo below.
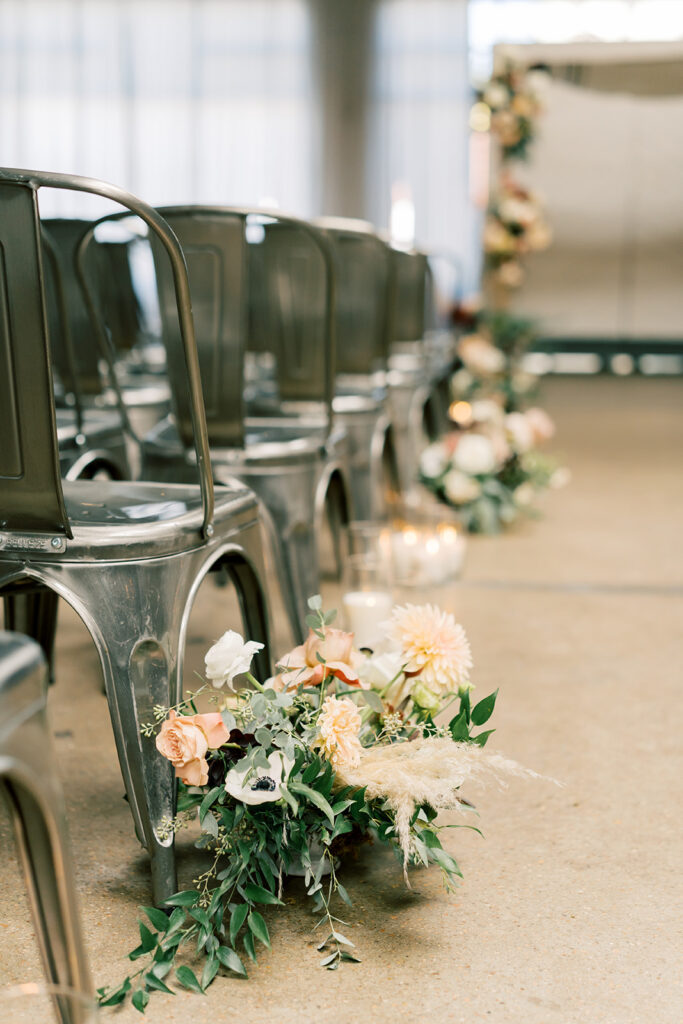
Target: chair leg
(33, 611)
(140, 613)
(253, 603)
(48, 874)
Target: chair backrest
(362, 267)
(409, 295)
(291, 307)
(64, 236)
(214, 246)
(31, 498)
(277, 292)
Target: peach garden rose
(184, 741)
(304, 666)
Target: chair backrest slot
(31, 498)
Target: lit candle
(366, 611)
(453, 545)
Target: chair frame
(152, 574)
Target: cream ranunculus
(474, 455)
(433, 460)
(519, 432)
(510, 274)
(262, 785)
(339, 725)
(485, 410)
(229, 657)
(184, 741)
(461, 488)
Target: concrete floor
(570, 908)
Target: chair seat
(97, 424)
(123, 520)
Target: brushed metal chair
(415, 366)
(128, 557)
(36, 805)
(277, 438)
(363, 272)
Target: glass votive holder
(41, 1003)
(367, 604)
(364, 538)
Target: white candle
(365, 611)
(453, 546)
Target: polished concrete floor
(569, 912)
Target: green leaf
(237, 919)
(315, 603)
(330, 617)
(342, 938)
(208, 800)
(257, 894)
(118, 996)
(200, 915)
(482, 737)
(311, 772)
(186, 898)
(264, 737)
(186, 977)
(482, 711)
(344, 894)
(159, 919)
(147, 939)
(328, 959)
(315, 798)
(228, 720)
(210, 971)
(459, 728)
(373, 700)
(350, 958)
(151, 981)
(230, 959)
(465, 704)
(287, 796)
(140, 1000)
(210, 825)
(248, 941)
(258, 927)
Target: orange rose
(184, 741)
(302, 665)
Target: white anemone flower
(262, 785)
(229, 657)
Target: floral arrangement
(490, 469)
(491, 354)
(513, 95)
(286, 776)
(514, 227)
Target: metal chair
(276, 438)
(415, 366)
(36, 805)
(128, 557)
(362, 265)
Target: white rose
(542, 427)
(381, 669)
(560, 478)
(524, 494)
(480, 356)
(262, 786)
(229, 657)
(511, 274)
(461, 382)
(518, 211)
(461, 488)
(433, 460)
(487, 411)
(519, 432)
(496, 96)
(474, 455)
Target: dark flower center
(264, 784)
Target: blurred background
(362, 108)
